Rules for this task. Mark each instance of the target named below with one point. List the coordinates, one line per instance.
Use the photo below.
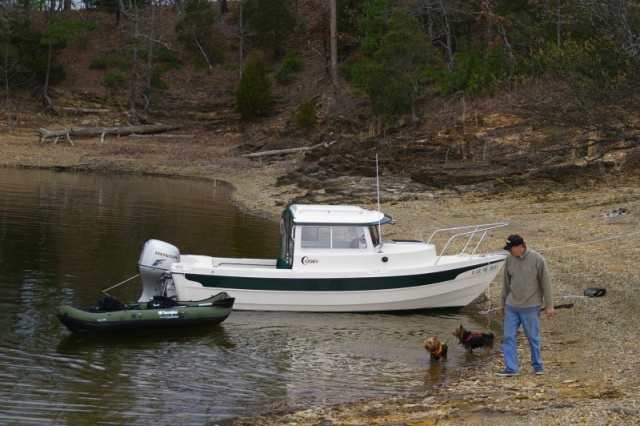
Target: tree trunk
(289, 150)
(334, 45)
(146, 92)
(102, 131)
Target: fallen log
(85, 110)
(289, 150)
(102, 131)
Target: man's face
(517, 250)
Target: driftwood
(85, 110)
(164, 136)
(102, 131)
(289, 150)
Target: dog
(472, 341)
(437, 350)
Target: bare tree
(596, 93)
(151, 47)
(10, 70)
(130, 10)
(334, 44)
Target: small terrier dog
(437, 350)
(472, 341)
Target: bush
(290, 65)
(114, 79)
(99, 64)
(306, 116)
(253, 94)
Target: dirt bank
(589, 350)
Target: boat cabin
(322, 229)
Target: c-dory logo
(307, 261)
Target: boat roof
(308, 214)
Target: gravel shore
(589, 350)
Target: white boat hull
(453, 293)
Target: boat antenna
(378, 193)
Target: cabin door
(285, 261)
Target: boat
(333, 258)
(111, 316)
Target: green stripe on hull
(330, 284)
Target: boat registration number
(485, 269)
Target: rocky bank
(590, 350)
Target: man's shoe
(538, 370)
(506, 373)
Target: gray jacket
(526, 282)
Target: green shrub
(290, 65)
(114, 79)
(99, 64)
(306, 115)
(253, 94)
(156, 79)
(169, 57)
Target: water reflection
(66, 237)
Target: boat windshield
(332, 237)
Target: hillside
(483, 146)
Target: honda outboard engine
(154, 265)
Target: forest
(569, 66)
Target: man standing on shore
(526, 287)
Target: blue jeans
(529, 318)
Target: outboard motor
(154, 265)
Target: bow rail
(478, 232)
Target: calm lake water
(65, 237)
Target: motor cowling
(154, 264)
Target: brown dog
(437, 350)
(472, 341)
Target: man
(525, 288)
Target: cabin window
(336, 237)
(343, 236)
(375, 235)
(315, 237)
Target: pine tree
(253, 95)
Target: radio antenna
(378, 193)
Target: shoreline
(590, 361)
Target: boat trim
(345, 284)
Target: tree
(394, 76)
(272, 21)
(57, 33)
(443, 20)
(596, 82)
(197, 31)
(253, 94)
(11, 67)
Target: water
(66, 237)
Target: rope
(488, 294)
(589, 242)
(127, 280)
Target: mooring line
(488, 294)
(588, 242)
(127, 280)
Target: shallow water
(66, 237)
